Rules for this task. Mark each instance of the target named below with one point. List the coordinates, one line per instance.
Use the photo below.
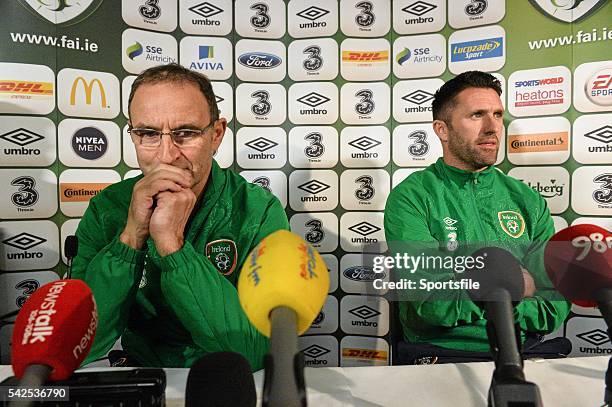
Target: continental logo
(538, 142)
(26, 88)
(88, 89)
(81, 191)
(365, 56)
(368, 354)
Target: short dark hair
(444, 98)
(176, 73)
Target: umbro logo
(595, 337)
(449, 221)
(21, 137)
(24, 241)
(418, 8)
(364, 312)
(603, 134)
(364, 228)
(315, 351)
(418, 97)
(219, 99)
(312, 13)
(261, 144)
(364, 143)
(313, 99)
(206, 9)
(314, 187)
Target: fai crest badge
(567, 11)
(62, 12)
(512, 223)
(223, 255)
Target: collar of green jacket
(460, 177)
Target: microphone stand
(508, 385)
(284, 384)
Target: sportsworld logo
(259, 60)
(312, 14)
(21, 137)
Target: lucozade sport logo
(62, 12)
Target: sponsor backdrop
(329, 107)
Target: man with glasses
(162, 252)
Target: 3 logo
(263, 182)
(420, 146)
(314, 62)
(365, 105)
(315, 234)
(315, 149)
(28, 286)
(262, 106)
(476, 8)
(261, 19)
(26, 195)
(603, 195)
(366, 191)
(150, 10)
(366, 17)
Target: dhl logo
(88, 89)
(365, 56)
(26, 87)
(356, 353)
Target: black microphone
(220, 379)
(71, 247)
(9, 315)
(501, 289)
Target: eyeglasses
(151, 138)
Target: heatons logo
(62, 12)
(134, 50)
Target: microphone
(71, 247)
(578, 261)
(53, 332)
(501, 288)
(282, 288)
(221, 379)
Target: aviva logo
(134, 50)
(88, 89)
(206, 51)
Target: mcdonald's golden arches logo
(88, 89)
(83, 93)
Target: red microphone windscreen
(578, 261)
(55, 327)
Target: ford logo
(359, 273)
(259, 60)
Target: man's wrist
(168, 247)
(134, 240)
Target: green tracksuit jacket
(171, 310)
(443, 203)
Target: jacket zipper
(476, 213)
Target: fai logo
(366, 17)
(420, 146)
(24, 241)
(603, 134)
(315, 233)
(366, 104)
(21, 137)
(150, 10)
(476, 8)
(223, 255)
(206, 9)
(263, 182)
(28, 286)
(366, 191)
(512, 223)
(62, 12)
(567, 11)
(261, 19)
(315, 149)
(595, 337)
(262, 106)
(314, 62)
(26, 195)
(603, 195)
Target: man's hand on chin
(169, 218)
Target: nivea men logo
(366, 16)
(313, 352)
(476, 8)
(603, 195)
(364, 312)
(28, 287)
(419, 146)
(366, 104)
(261, 144)
(364, 143)
(604, 135)
(315, 149)
(315, 233)
(24, 241)
(207, 11)
(418, 8)
(21, 137)
(259, 60)
(312, 13)
(150, 10)
(261, 19)
(362, 274)
(596, 337)
(26, 194)
(89, 143)
(418, 97)
(364, 229)
(263, 182)
(313, 187)
(313, 99)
